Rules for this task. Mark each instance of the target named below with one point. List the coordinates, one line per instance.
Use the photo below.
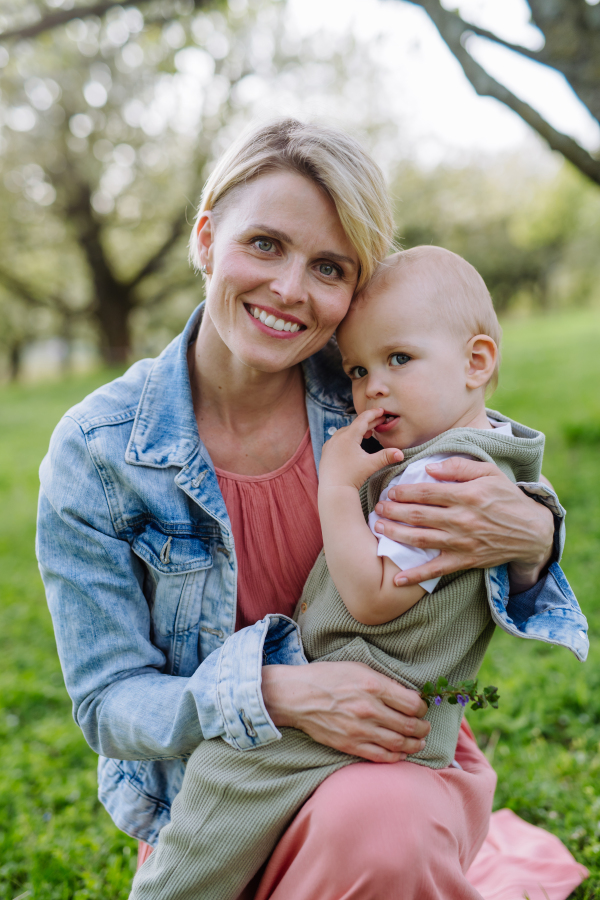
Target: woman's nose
(291, 283)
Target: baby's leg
(231, 811)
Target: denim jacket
(137, 556)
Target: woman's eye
(328, 269)
(264, 245)
(399, 359)
(357, 372)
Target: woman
(178, 508)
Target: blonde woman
(178, 522)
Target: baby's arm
(364, 580)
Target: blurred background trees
(111, 116)
(110, 125)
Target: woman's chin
(273, 355)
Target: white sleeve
(403, 555)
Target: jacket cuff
(235, 709)
(544, 494)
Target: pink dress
(375, 831)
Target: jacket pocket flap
(171, 553)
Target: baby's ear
(482, 357)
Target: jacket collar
(165, 432)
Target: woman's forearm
(524, 574)
(477, 518)
(348, 706)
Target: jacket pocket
(171, 554)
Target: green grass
(56, 841)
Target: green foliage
(57, 842)
(532, 235)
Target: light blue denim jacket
(138, 560)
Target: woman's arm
(364, 580)
(348, 706)
(124, 699)
(480, 520)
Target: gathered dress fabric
(373, 831)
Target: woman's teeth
(272, 322)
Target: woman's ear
(482, 355)
(205, 234)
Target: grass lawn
(56, 841)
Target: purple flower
(437, 700)
(462, 700)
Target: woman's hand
(480, 520)
(348, 706)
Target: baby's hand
(344, 463)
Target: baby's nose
(377, 388)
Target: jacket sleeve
(124, 702)
(545, 495)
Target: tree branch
(156, 261)
(536, 55)
(451, 29)
(62, 16)
(168, 289)
(25, 292)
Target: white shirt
(405, 556)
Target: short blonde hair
(459, 292)
(330, 158)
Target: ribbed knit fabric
(233, 806)
(277, 533)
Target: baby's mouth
(389, 421)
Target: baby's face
(402, 356)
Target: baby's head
(421, 341)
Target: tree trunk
(15, 358)
(113, 300)
(113, 311)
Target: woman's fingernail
(379, 508)
(423, 745)
(434, 466)
(401, 580)
(379, 526)
(403, 757)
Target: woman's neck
(250, 421)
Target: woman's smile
(274, 322)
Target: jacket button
(331, 430)
(303, 608)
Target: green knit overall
(234, 806)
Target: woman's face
(282, 271)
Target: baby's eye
(329, 270)
(357, 372)
(264, 244)
(399, 359)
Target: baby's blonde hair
(459, 292)
(331, 159)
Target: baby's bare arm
(364, 580)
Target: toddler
(420, 345)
